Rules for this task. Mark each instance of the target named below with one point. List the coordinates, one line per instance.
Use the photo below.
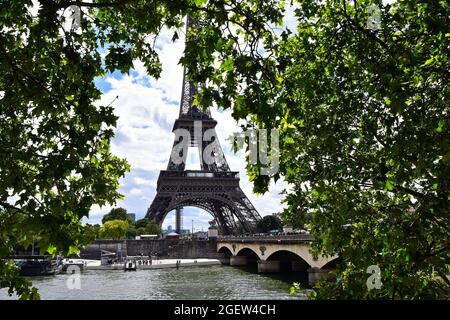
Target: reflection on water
(202, 282)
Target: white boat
(73, 266)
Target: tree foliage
(91, 232)
(146, 226)
(114, 229)
(9, 272)
(131, 232)
(141, 223)
(116, 214)
(363, 116)
(364, 124)
(136, 228)
(54, 139)
(269, 223)
(152, 228)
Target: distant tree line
(269, 223)
(117, 224)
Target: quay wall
(166, 249)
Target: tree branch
(444, 277)
(409, 191)
(361, 29)
(11, 207)
(66, 4)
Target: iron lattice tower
(214, 188)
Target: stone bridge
(275, 254)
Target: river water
(199, 282)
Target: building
(172, 236)
(212, 232)
(170, 230)
(201, 235)
(147, 237)
(132, 216)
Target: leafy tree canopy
(141, 223)
(91, 232)
(152, 228)
(114, 229)
(116, 214)
(269, 223)
(146, 226)
(363, 116)
(364, 120)
(54, 140)
(131, 232)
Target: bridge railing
(268, 237)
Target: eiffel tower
(214, 188)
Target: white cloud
(143, 182)
(135, 192)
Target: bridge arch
(300, 250)
(225, 251)
(222, 246)
(250, 254)
(244, 257)
(289, 261)
(332, 263)
(265, 250)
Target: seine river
(200, 282)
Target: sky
(147, 109)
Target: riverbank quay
(162, 248)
